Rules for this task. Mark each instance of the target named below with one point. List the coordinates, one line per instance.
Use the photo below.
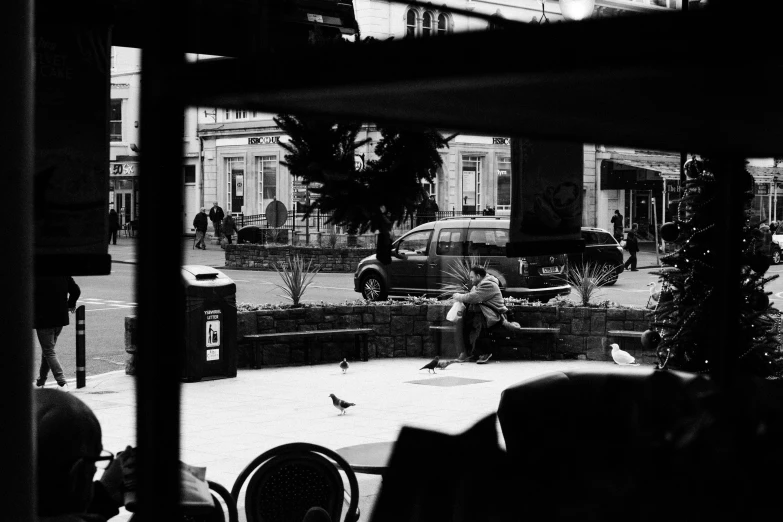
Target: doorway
(123, 201)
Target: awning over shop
(668, 166)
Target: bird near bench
(431, 365)
(622, 357)
(344, 366)
(340, 404)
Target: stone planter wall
(403, 331)
(261, 257)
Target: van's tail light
(523, 267)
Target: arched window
(426, 25)
(443, 23)
(410, 24)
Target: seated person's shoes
(484, 359)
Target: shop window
(115, 120)
(190, 173)
(503, 197)
(267, 181)
(471, 183)
(235, 179)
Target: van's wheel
(373, 288)
(612, 278)
(776, 257)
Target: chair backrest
(286, 481)
(592, 408)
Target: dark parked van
(601, 248)
(424, 255)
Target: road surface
(109, 299)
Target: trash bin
(210, 323)
(249, 234)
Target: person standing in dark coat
(200, 224)
(114, 225)
(53, 298)
(216, 215)
(617, 225)
(632, 246)
(229, 227)
(383, 245)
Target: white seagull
(622, 357)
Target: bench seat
(360, 335)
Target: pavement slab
(228, 422)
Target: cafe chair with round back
(285, 482)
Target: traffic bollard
(81, 373)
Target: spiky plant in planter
(458, 276)
(587, 279)
(296, 278)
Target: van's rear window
(487, 242)
(451, 242)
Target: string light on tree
(683, 320)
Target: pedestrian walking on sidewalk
(216, 215)
(114, 225)
(229, 227)
(632, 246)
(617, 225)
(200, 224)
(53, 298)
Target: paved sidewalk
(228, 422)
(125, 251)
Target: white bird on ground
(623, 357)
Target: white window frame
(478, 160)
(236, 115)
(430, 31)
(416, 23)
(122, 133)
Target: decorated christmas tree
(687, 302)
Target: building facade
(234, 156)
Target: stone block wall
(403, 331)
(262, 257)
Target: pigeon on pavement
(431, 365)
(443, 364)
(340, 404)
(622, 357)
(344, 365)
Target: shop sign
(239, 180)
(501, 141)
(122, 169)
(264, 140)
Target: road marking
(116, 307)
(108, 361)
(332, 287)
